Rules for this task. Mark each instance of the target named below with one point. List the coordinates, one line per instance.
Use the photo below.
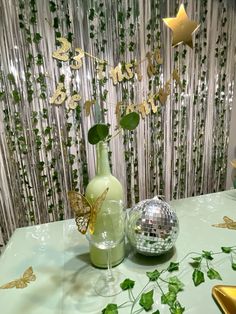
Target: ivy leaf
(196, 262)
(168, 298)
(198, 277)
(127, 284)
(173, 266)
(153, 275)
(226, 249)
(233, 266)
(97, 133)
(130, 121)
(207, 255)
(177, 308)
(110, 309)
(37, 38)
(16, 96)
(213, 274)
(175, 285)
(146, 300)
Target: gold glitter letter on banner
(151, 70)
(143, 109)
(73, 101)
(62, 53)
(116, 74)
(151, 102)
(129, 74)
(100, 71)
(78, 60)
(59, 96)
(164, 92)
(87, 106)
(176, 77)
(130, 108)
(157, 56)
(137, 71)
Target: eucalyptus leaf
(110, 309)
(127, 284)
(198, 277)
(153, 275)
(97, 133)
(146, 300)
(130, 121)
(213, 274)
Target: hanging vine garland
(45, 146)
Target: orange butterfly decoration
(21, 282)
(85, 212)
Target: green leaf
(146, 300)
(177, 308)
(16, 96)
(156, 312)
(110, 309)
(196, 262)
(213, 274)
(233, 266)
(168, 298)
(153, 275)
(207, 255)
(175, 285)
(226, 249)
(37, 38)
(130, 121)
(198, 259)
(198, 277)
(97, 133)
(173, 266)
(127, 284)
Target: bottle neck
(103, 166)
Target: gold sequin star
(182, 28)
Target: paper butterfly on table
(21, 282)
(228, 223)
(85, 211)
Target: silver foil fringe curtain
(179, 151)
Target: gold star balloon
(182, 28)
(225, 297)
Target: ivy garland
(170, 287)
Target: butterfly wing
(95, 209)
(29, 275)
(223, 225)
(82, 210)
(9, 285)
(21, 283)
(228, 220)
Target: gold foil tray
(225, 297)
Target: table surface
(60, 259)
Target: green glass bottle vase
(102, 180)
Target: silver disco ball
(152, 227)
